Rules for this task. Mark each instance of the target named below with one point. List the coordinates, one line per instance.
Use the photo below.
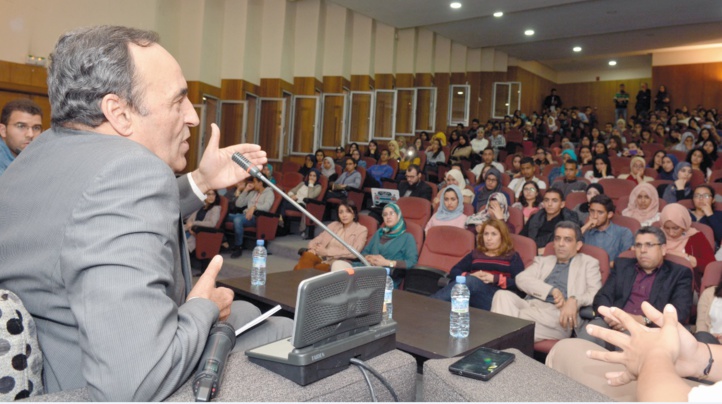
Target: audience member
(602, 169)
(21, 121)
(685, 241)
(699, 160)
(320, 156)
(349, 178)
(661, 100)
(669, 163)
(479, 142)
(643, 204)
(267, 171)
(394, 151)
(570, 182)
(496, 207)
(410, 157)
(498, 141)
(415, 185)
(686, 144)
(255, 197)
(560, 171)
(328, 169)
(529, 201)
(599, 230)
(308, 188)
(451, 212)
(527, 174)
(487, 159)
(373, 150)
(377, 172)
(323, 250)
(442, 138)
(207, 216)
(490, 267)
(557, 286)
(621, 99)
(644, 101)
(514, 170)
(462, 151)
(340, 156)
(435, 154)
(656, 162)
(648, 277)
(636, 171)
(492, 184)
(709, 315)
(356, 156)
(391, 246)
(703, 210)
(540, 226)
(680, 188)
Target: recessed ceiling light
(612, 63)
(498, 14)
(529, 32)
(577, 49)
(455, 4)
(460, 92)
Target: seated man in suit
(650, 278)
(540, 226)
(103, 269)
(414, 184)
(556, 287)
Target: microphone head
(246, 164)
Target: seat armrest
(587, 313)
(266, 214)
(204, 229)
(309, 201)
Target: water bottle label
(259, 262)
(388, 296)
(459, 306)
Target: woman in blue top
(391, 246)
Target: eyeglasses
(645, 246)
(703, 196)
(23, 127)
(389, 213)
(530, 189)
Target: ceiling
(624, 30)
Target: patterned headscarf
(396, 230)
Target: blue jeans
(619, 113)
(239, 221)
(481, 294)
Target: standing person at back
(21, 121)
(103, 267)
(621, 99)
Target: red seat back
(526, 248)
(445, 246)
(415, 210)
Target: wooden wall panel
(404, 80)
(362, 83)
(196, 91)
(306, 85)
(274, 88)
(533, 88)
(424, 80)
(16, 77)
(442, 81)
(385, 81)
(335, 84)
(237, 89)
(474, 79)
(690, 85)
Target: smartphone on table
(482, 364)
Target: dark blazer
(421, 190)
(537, 220)
(673, 284)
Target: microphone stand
(242, 161)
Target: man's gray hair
(89, 63)
(661, 237)
(568, 224)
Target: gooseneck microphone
(209, 374)
(245, 164)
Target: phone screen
(482, 364)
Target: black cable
(378, 376)
(368, 382)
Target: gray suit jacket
(97, 262)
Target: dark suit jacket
(673, 284)
(421, 190)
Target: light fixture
(577, 49)
(455, 4)
(529, 32)
(460, 92)
(612, 63)
(498, 14)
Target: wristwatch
(392, 264)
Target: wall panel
(599, 95)
(690, 84)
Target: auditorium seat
(209, 239)
(615, 188)
(712, 275)
(315, 206)
(289, 166)
(574, 199)
(415, 210)
(629, 222)
(516, 220)
(526, 248)
(371, 225)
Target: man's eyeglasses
(702, 196)
(645, 246)
(23, 127)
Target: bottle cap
(461, 279)
(388, 271)
(260, 242)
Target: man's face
(527, 170)
(412, 177)
(340, 154)
(475, 125)
(487, 156)
(570, 171)
(648, 251)
(553, 203)
(566, 244)
(599, 215)
(384, 156)
(165, 127)
(21, 129)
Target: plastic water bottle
(388, 296)
(258, 272)
(459, 320)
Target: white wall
(613, 74)
(700, 54)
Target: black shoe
(237, 252)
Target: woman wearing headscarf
(686, 241)
(680, 188)
(491, 266)
(462, 151)
(328, 169)
(582, 210)
(643, 204)
(453, 177)
(451, 211)
(686, 144)
(666, 171)
(496, 208)
(442, 138)
(391, 246)
(636, 171)
(492, 184)
(267, 171)
(308, 164)
(567, 154)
